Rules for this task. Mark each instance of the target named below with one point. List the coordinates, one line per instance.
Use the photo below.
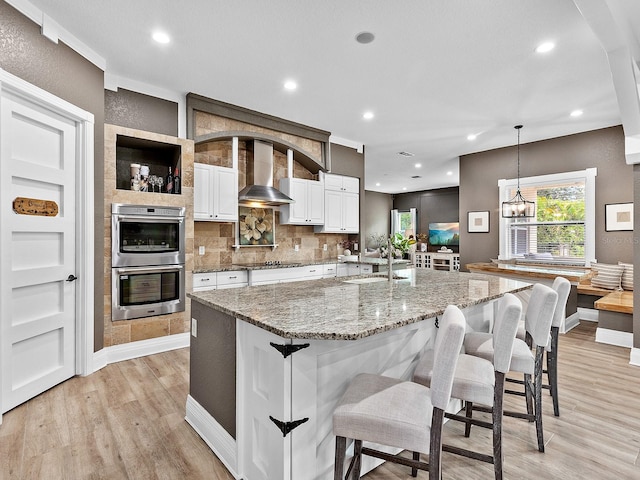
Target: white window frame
(589, 178)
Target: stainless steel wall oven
(143, 235)
(147, 252)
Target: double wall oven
(147, 260)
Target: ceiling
(436, 72)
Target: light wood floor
(127, 422)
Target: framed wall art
(618, 217)
(478, 222)
(256, 227)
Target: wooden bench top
(588, 289)
(618, 301)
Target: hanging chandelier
(518, 207)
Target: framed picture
(255, 227)
(478, 222)
(618, 217)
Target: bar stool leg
(537, 385)
(341, 447)
(552, 369)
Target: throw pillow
(627, 275)
(607, 276)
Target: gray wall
(56, 68)
(602, 149)
(377, 216)
(142, 112)
(438, 205)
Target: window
(403, 221)
(563, 228)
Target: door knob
(71, 278)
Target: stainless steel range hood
(259, 187)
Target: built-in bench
(615, 312)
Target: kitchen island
(270, 362)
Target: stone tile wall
(126, 331)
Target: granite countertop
(230, 267)
(338, 310)
(573, 274)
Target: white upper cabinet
(308, 208)
(215, 193)
(341, 183)
(341, 205)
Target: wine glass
(153, 181)
(159, 182)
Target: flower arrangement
(399, 246)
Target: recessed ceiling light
(290, 85)
(449, 172)
(404, 188)
(367, 115)
(472, 136)
(377, 184)
(576, 113)
(418, 165)
(365, 37)
(545, 47)
(161, 37)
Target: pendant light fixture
(518, 207)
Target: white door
(202, 192)
(225, 195)
(37, 292)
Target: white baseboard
(141, 348)
(634, 358)
(216, 437)
(571, 321)
(614, 337)
(588, 314)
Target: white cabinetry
(341, 205)
(220, 280)
(437, 261)
(308, 208)
(286, 274)
(351, 269)
(215, 193)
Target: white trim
(589, 176)
(588, 314)
(37, 16)
(634, 357)
(614, 337)
(347, 143)
(113, 82)
(571, 322)
(141, 348)
(216, 437)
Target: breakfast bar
(268, 363)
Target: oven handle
(146, 219)
(168, 268)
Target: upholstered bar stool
(400, 414)
(540, 311)
(478, 380)
(562, 286)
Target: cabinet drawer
(204, 281)
(231, 278)
(329, 270)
